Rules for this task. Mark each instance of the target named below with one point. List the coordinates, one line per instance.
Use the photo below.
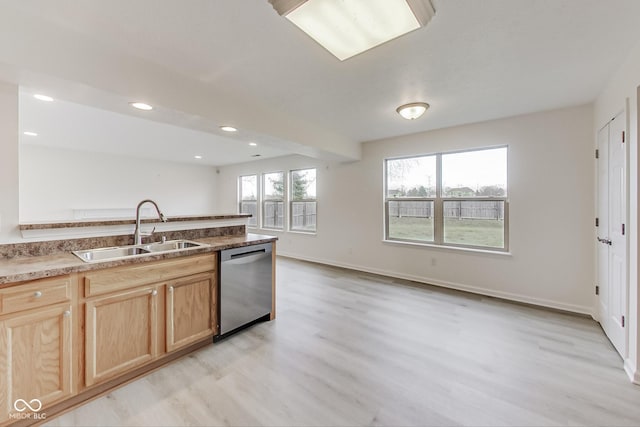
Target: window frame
(292, 201)
(438, 205)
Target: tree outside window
(303, 200)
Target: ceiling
(72, 126)
(208, 63)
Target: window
(249, 198)
(265, 199)
(453, 199)
(273, 200)
(303, 200)
(411, 191)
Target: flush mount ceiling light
(43, 97)
(141, 106)
(349, 27)
(412, 111)
(253, 144)
(197, 156)
(30, 133)
(228, 128)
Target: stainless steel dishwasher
(245, 287)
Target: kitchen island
(72, 330)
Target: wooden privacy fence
(462, 209)
(250, 207)
(273, 214)
(303, 215)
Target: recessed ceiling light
(30, 133)
(228, 128)
(349, 27)
(43, 97)
(253, 144)
(412, 111)
(197, 157)
(141, 106)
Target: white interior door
(612, 248)
(603, 224)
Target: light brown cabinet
(69, 338)
(190, 310)
(36, 346)
(135, 314)
(121, 332)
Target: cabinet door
(190, 310)
(35, 359)
(120, 333)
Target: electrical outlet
(434, 262)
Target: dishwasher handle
(246, 251)
(246, 254)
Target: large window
(453, 199)
(273, 200)
(249, 198)
(303, 200)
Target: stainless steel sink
(124, 252)
(171, 245)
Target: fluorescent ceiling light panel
(349, 27)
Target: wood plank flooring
(354, 349)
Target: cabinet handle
(37, 294)
(154, 292)
(170, 288)
(66, 313)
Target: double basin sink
(124, 252)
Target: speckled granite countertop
(36, 267)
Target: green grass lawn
(410, 228)
(476, 232)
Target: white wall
(551, 211)
(8, 162)
(619, 94)
(54, 182)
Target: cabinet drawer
(34, 294)
(114, 279)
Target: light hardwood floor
(350, 349)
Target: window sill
(306, 233)
(277, 230)
(448, 248)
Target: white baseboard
(450, 285)
(631, 371)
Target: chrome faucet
(138, 234)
